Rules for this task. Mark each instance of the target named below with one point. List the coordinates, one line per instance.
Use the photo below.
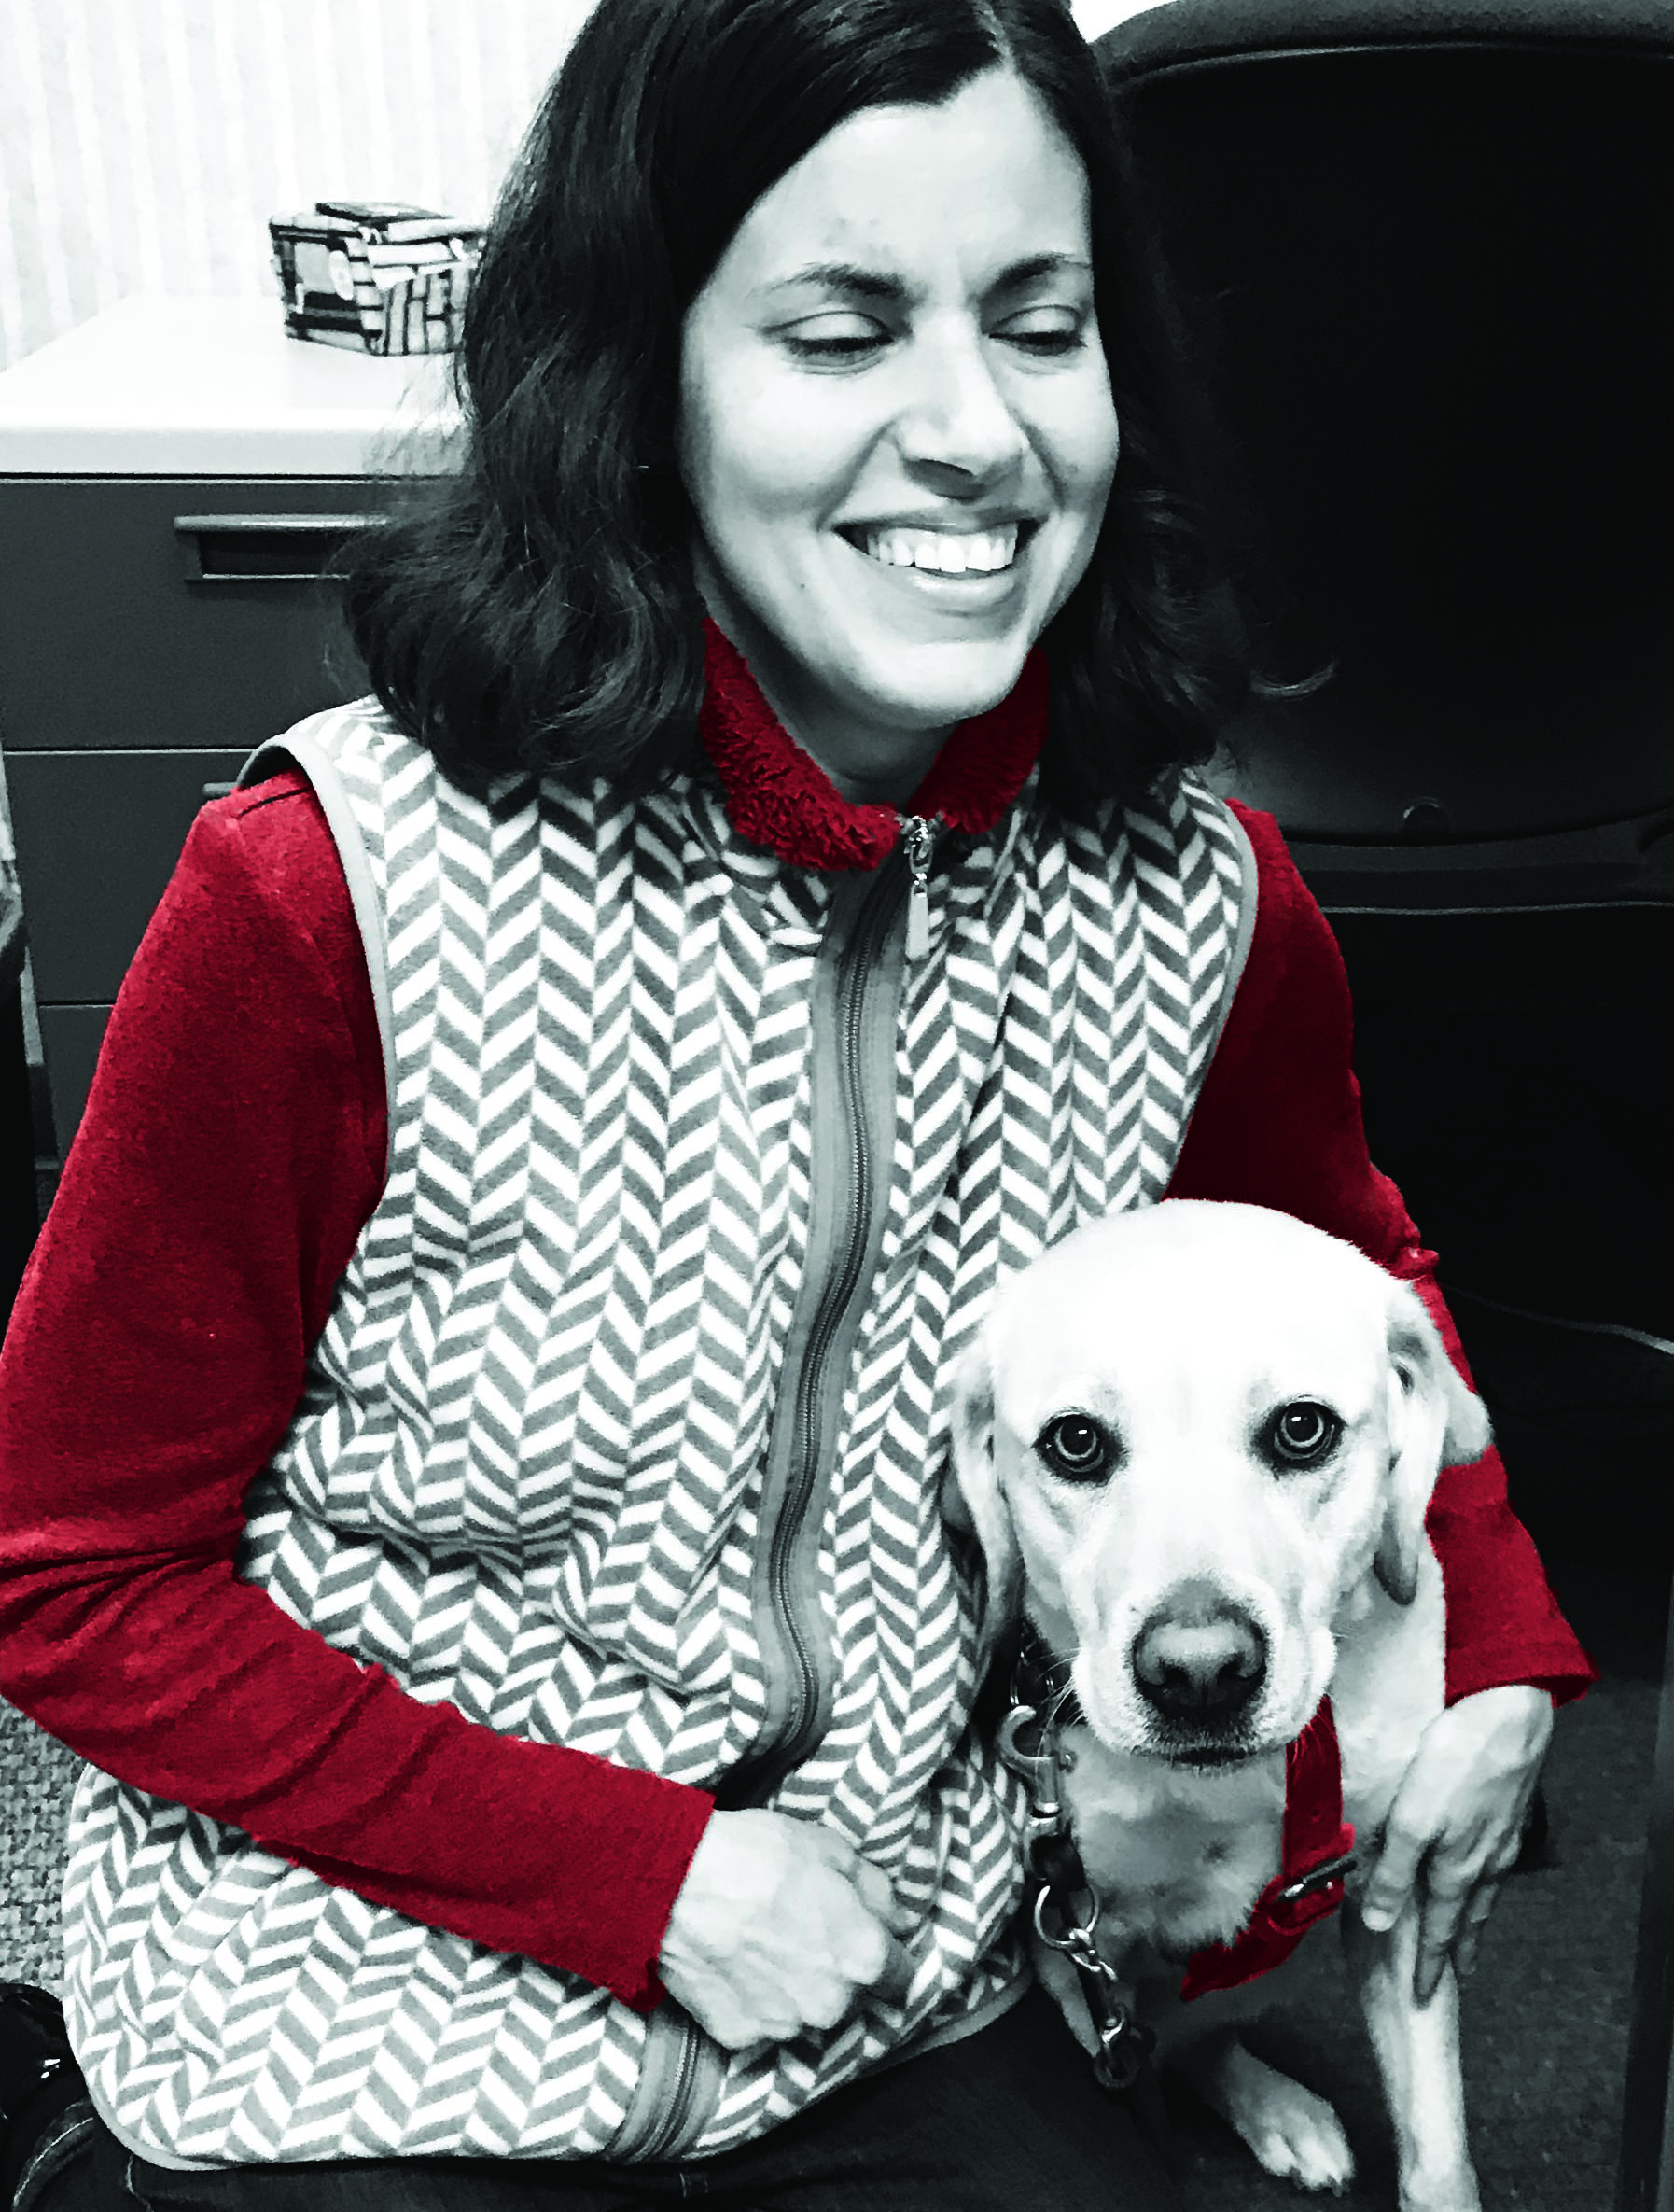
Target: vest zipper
(676, 2056)
(919, 838)
(857, 1036)
(862, 1029)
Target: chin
(944, 682)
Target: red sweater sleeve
(231, 1149)
(1277, 1124)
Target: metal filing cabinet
(173, 475)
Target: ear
(1434, 1423)
(973, 1502)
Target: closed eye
(835, 338)
(1078, 1448)
(1044, 331)
(1300, 1435)
(1038, 332)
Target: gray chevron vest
(627, 1427)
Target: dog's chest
(1178, 1856)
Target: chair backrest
(1433, 247)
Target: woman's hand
(1454, 1828)
(778, 1926)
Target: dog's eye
(1303, 1435)
(1075, 1446)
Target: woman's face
(896, 423)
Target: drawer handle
(264, 548)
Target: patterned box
(374, 274)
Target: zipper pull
(919, 837)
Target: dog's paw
(1298, 2137)
(1295, 2134)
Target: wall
(145, 143)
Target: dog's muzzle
(1199, 1663)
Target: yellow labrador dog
(1196, 1444)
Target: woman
(559, 1134)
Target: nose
(1200, 1659)
(959, 417)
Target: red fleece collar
(779, 796)
(1314, 1833)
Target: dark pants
(1009, 2119)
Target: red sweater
(231, 1149)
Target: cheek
(1077, 430)
(1351, 1515)
(730, 444)
(1079, 446)
(1049, 1530)
(767, 453)
(1336, 1525)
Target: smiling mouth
(943, 553)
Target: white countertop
(216, 387)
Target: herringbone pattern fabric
(525, 1473)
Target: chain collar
(1065, 1908)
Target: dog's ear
(1434, 1423)
(973, 1502)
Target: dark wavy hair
(539, 610)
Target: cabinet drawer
(98, 836)
(156, 612)
(70, 1039)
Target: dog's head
(1183, 1437)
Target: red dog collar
(1312, 1858)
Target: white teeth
(943, 550)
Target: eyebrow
(874, 284)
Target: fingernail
(1378, 1918)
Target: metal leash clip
(1035, 1763)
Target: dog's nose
(1200, 1658)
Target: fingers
(1395, 1875)
(872, 1886)
(781, 1926)
(1445, 1895)
(1454, 1904)
(868, 1960)
(1482, 1900)
(875, 1891)
(895, 1978)
(874, 1960)
(826, 1999)
(1453, 1830)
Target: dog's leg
(1295, 2134)
(1418, 2048)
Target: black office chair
(1429, 245)
(1424, 250)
